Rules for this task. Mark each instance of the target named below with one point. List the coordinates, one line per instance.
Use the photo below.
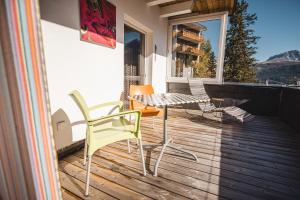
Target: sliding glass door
(134, 58)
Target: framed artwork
(98, 22)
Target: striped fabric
(23, 20)
(169, 99)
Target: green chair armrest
(136, 113)
(113, 103)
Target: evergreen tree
(206, 66)
(201, 66)
(240, 45)
(212, 65)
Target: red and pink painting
(98, 22)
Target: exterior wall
(96, 71)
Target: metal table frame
(168, 142)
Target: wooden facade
(206, 6)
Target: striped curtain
(21, 39)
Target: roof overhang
(170, 8)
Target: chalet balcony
(190, 36)
(189, 50)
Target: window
(196, 49)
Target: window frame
(222, 16)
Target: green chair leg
(128, 144)
(142, 157)
(85, 152)
(88, 170)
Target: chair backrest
(138, 90)
(141, 89)
(77, 97)
(198, 89)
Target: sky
(213, 33)
(278, 25)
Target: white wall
(96, 71)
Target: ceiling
(177, 7)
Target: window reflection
(195, 49)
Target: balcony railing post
(267, 82)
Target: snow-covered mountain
(289, 56)
(284, 67)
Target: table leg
(183, 151)
(160, 156)
(165, 124)
(167, 143)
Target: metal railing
(269, 82)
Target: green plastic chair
(107, 129)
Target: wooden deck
(256, 160)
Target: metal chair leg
(128, 144)
(137, 143)
(142, 157)
(88, 169)
(85, 151)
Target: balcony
(255, 160)
(189, 50)
(190, 36)
(52, 54)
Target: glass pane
(195, 49)
(133, 51)
(134, 48)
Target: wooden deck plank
(76, 187)
(243, 161)
(264, 158)
(229, 191)
(221, 132)
(213, 173)
(242, 132)
(228, 182)
(114, 190)
(214, 166)
(68, 195)
(129, 183)
(133, 170)
(255, 160)
(217, 143)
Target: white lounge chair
(225, 106)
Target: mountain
(293, 55)
(282, 68)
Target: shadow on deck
(256, 160)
